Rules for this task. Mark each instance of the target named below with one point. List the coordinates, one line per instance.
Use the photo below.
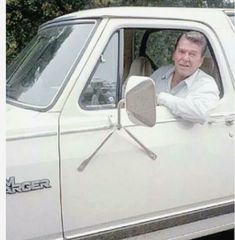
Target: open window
(148, 49)
(134, 51)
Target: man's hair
(195, 37)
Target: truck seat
(141, 66)
(209, 67)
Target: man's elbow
(201, 118)
(201, 114)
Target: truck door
(122, 188)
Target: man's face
(187, 57)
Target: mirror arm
(86, 161)
(151, 154)
(118, 126)
(119, 106)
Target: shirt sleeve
(196, 106)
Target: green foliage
(23, 17)
(159, 47)
(173, 3)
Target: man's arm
(196, 106)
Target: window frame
(70, 72)
(149, 31)
(119, 72)
(121, 24)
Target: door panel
(121, 185)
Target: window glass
(38, 74)
(101, 91)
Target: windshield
(38, 73)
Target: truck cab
(87, 158)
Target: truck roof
(207, 15)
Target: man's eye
(181, 51)
(192, 54)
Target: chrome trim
(13, 187)
(86, 130)
(38, 135)
(81, 130)
(227, 118)
(52, 23)
(164, 222)
(74, 131)
(170, 120)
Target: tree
(24, 16)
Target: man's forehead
(187, 44)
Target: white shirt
(191, 99)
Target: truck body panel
(122, 192)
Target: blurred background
(23, 17)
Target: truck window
(40, 71)
(150, 49)
(101, 90)
(144, 51)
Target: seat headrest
(141, 66)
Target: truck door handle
(228, 119)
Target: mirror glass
(140, 100)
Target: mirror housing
(140, 100)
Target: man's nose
(186, 56)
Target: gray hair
(195, 37)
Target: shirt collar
(168, 73)
(189, 80)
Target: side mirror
(140, 100)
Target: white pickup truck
(88, 160)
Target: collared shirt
(191, 99)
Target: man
(186, 90)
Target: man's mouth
(184, 65)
